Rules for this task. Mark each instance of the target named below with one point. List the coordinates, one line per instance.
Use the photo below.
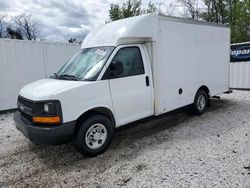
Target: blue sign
(240, 52)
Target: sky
(59, 20)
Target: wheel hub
(201, 102)
(96, 136)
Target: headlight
(49, 108)
(46, 108)
(47, 112)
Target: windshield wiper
(54, 75)
(68, 77)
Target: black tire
(199, 109)
(80, 139)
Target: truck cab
(108, 85)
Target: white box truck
(125, 71)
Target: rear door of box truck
(189, 55)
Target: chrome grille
(25, 107)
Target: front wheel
(94, 135)
(200, 102)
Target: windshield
(86, 64)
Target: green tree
(239, 20)
(151, 8)
(215, 11)
(115, 12)
(130, 8)
(234, 13)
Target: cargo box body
(188, 55)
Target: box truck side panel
(189, 56)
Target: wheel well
(205, 88)
(95, 111)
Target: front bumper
(41, 134)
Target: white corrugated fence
(240, 75)
(240, 66)
(22, 62)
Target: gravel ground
(175, 150)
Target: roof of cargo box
(132, 30)
(129, 30)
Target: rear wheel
(94, 135)
(201, 102)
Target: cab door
(130, 84)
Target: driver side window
(127, 62)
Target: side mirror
(116, 68)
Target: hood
(45, 88)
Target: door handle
(147, 81)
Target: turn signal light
(52, 119)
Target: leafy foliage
(151, 8)
(130, 8)
(234, 13)
(238, 18)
